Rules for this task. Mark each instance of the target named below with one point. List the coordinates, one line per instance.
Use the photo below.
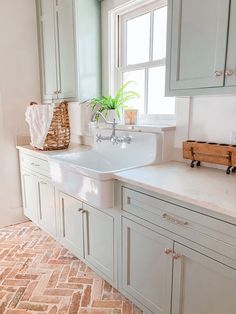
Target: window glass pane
(157, 102)
(137, 85)
(159, 36)
(138, 39)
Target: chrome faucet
(113, 137)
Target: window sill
(155, 128)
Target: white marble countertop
(211, 189)
(73, 148)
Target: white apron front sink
(88, 175)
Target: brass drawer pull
(174, 220)
(168, 251)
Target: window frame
(117, 33)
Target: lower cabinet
(168, 277)
(202, 285)
(71, 219)
(172, 261)
(39, 201)
(47, 208)
(99, 240)
(146, 266)
(88, 233)
(30, 195)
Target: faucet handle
(98, 138)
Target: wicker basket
(58, 136)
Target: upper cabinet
(69, 49)
(230, 79)
(201, 47)
(65, 49)
(47, 48)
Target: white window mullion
(146, 91)
(138, 66)
(119, 45)
(151, 36)
(123, 43)
(119, 77)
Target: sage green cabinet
(99, 241)
(47, 208)
(66, 49)
(230, 79)
(168, 277)
(89, 234)
(70, 57)
(47, 49)
(201, 47)
(171, 264)
(71, 220)
(39, 201)
(146, 266)
(201, 284)
(30, 195)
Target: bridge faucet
(113, 138)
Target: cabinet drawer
(210, 232)
(35, 164)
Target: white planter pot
(111, 115)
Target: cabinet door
(30, 196)
(198, 43)
(230, 78)
(202, 285)
(47, 49)
(99, 241)
(65, 49)
(47, 207)
(72, 224)
(146, 269)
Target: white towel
(39, 118)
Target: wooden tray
(221, 154)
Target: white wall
(213, 118)
(208, 118)
(19, 84)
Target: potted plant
(112, 107)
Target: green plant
(116, 103)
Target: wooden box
(221, 154)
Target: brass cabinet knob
(229, 72)
(176, 256)
(168, 251)
(218, 73)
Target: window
(142, 56)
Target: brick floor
(38, 275)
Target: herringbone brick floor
(37, 275)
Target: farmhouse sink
(88, 175)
